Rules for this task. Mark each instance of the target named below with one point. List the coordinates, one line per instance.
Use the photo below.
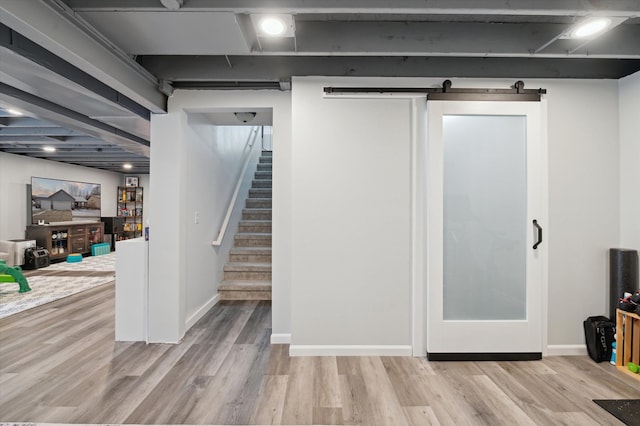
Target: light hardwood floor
(59, 364)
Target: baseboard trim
(280, 338)
(566, 350)
(202, 311)
(350, 350)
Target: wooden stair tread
(234, 285)
(250, 250)
(247, 266)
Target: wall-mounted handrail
(225, 224)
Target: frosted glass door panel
(485, 215)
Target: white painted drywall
(584, 205)
(351, 220)
(131, 307)
(168, 132)
(583, 201)
(15, 174)
(214, 159)
(629, 107)
(167, 228)
(583, 209)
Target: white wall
(15, 174)
(168, 302)
(583, 209)
(336, 179)
(167, 230)
(629, 107)
(583, 201)
(351, 221)
(215, 156)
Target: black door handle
(539, 228)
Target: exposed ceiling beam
(24, 47)
(52, 25)
(44, 140)
(47, 110)
(37, 131)
(12, 121)
(68, 156)
(270, 68)
(450, 39)
(41, 140)
(487, 7)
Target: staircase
(247, 275)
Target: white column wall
(351, 224)
(15, 174)
(172, 213)
(167, 236)
(629, 115)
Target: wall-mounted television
(55, 200)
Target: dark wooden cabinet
(62, 239)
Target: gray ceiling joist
(37, 131)
(519, 7)
(201, 69)
(19, 44)
(101, 129)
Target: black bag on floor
(599, 335)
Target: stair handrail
(225, 224)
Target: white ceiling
(175, 33)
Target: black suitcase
(599, 335)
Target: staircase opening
(247, 274)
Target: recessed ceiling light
(14, 111)
(127, 166)
(591, 27)
(49, 148)
(272, 26)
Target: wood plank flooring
(59, 364)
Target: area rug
(44, 289)
(625, 410)
(105, 262)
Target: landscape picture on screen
(55, 200)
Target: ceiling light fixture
(272, 26)
(245, 117)
(591, 27)
(49, 148)
(127, 166)
(14, 111)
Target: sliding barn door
(484, 192)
